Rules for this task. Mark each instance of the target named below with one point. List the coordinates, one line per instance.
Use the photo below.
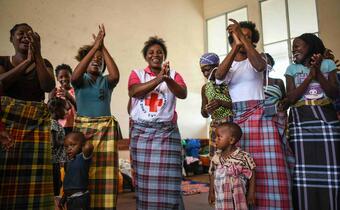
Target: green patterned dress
(221, 114)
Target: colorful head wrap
(209, 59)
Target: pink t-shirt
(68, 120)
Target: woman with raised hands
(26, 169)
(93, 97)
(242, 70)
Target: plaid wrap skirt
(261, 138)
(156, 159)
(26, 170)
(314, 133)
(103, 175)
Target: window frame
(226, 19)
(289, 37)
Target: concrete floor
(126, 201)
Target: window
(282, 21)
(217, 34)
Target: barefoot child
(230, 170)
(79, 152)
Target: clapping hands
(99, 39)
(235, 30)
(164, 74)
(315, 64)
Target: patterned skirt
(262, 140)
(315, 138)
(26, 170)
(156, 159)
(103, 175)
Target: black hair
(15, 27)
(55, 103)
(315, 44)
(234, 128)
(255, 35)
(153, 41)
(270, 59)
(78, 135)
(82, 52)
(63, 67)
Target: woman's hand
(164, 74)
(213, 105)
(283, 105)
(234, 28)
(62, 93)
(235, 31)
(30, 55)
(99, 39)
(35, 42)
(316, 60)
(315, 64)
(237, 41)
(5, 140)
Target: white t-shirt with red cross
(158, 105)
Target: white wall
(66, 25)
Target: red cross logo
(153, 102)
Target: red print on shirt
(153, 102)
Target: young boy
(79, 152)
(230, 170)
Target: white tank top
(244, 81)
(158, 105)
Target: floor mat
(190, 187)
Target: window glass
(302, 20)
(274, 21)
(217, 35)
(279, 52)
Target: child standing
(79, 152)
(57, 107)
(230, 170)
(63, 73)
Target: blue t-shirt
(300, 72)
(93, 97)
(77, 173)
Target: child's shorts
(78, 201)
